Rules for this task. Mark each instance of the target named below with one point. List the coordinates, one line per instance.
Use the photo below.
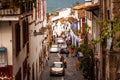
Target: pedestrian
(65, 63)
(67, 52)
(68, 42)
(62, 59)
(46, 58)
(77, 65)
(72, 51)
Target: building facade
(106, 55)
(78, 24)
(21, 56)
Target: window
(25, 32)
(17, 38)
(27, 49)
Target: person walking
(65, 63)
(46, 58)
(72, 51)
(62, 59)
(67, 52)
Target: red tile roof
(78, 7)
(92, 7)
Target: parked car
(57, 68)
(54, 49)
(55, 45)
(60, 41)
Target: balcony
(10, 12)
(15, 10)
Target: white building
(65, 12)
(20, 49)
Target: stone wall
(116, 8)
(114, 65)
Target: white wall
(6, 39)
(96, 1)
(18, 60)
(89, 23)
(88, 2)
(35, 42)
(62, 13)
(65, 12)
(35, 47)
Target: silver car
(54, 49)
(57, 68)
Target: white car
(60, 41)
(54, 50)
(57, 68)
(55, 46)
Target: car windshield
(57, 65)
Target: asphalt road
(70, 72)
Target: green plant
(72, 46)
(106, 31)
(87, 61)
(77, 32)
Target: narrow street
(70, 72)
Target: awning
(3, 49)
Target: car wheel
(50, 74)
